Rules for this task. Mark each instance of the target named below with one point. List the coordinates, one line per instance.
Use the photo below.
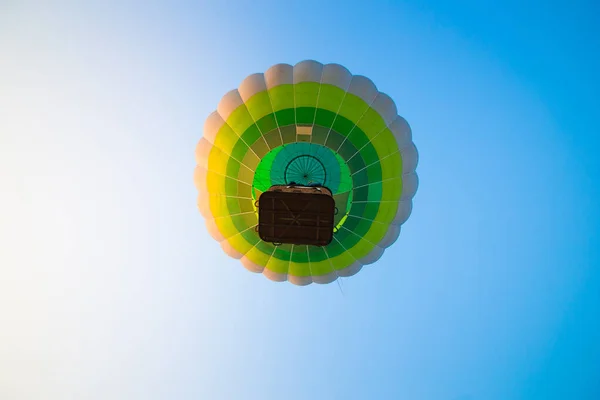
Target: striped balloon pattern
(310, 123)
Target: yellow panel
(226, 138)
(217, 161)
(215, 183)
(240, 244)
(226, 227)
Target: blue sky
(110, 286)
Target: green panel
(347, 150)
(324, 118)
(279, 263)
(240, 119)
(342, 260)
(387, 211)
(233, 169)
(374, 172)
(319, 262)
(334, 140)
(257, 256)
(231, 186)
(376, 233)
(342, 125)
(385, 144)
(369, 155)
(391, 166)
(282, 97)
(362, 227)
(375, 191)
(356, 163)
(319, 134)
(251, 236)
(306, 94)
(371, 123)
(245, 220)
(370, 211)
(361, 194)
(331, 98)
(239, 150)
(392, 190)
(360, 178)
(286, 117)
(305, 115)
(358, 138)
(266, 123)
(299, 256)
(351, 223)
(251, 134)
(259, 105)
(353, 107)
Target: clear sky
(111, 288)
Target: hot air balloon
(305, 173)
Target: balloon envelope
(309, 124)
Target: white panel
(200, 174)
(251, 266)
(229, 103)
(203, 149)
(350, 270)
(300, 280)
(274, 276)
(324, 279)
(404, 210)
(410, 158)
(390, 236)
(279, 74)
(213, 230)
(337, 75)
(253, 84)
(230, 251)
(372, 257)
(364, 88)
(212, 125)
(401, 131)
(203, 202)
(410, 183)
(385, 107)
(308, 71)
